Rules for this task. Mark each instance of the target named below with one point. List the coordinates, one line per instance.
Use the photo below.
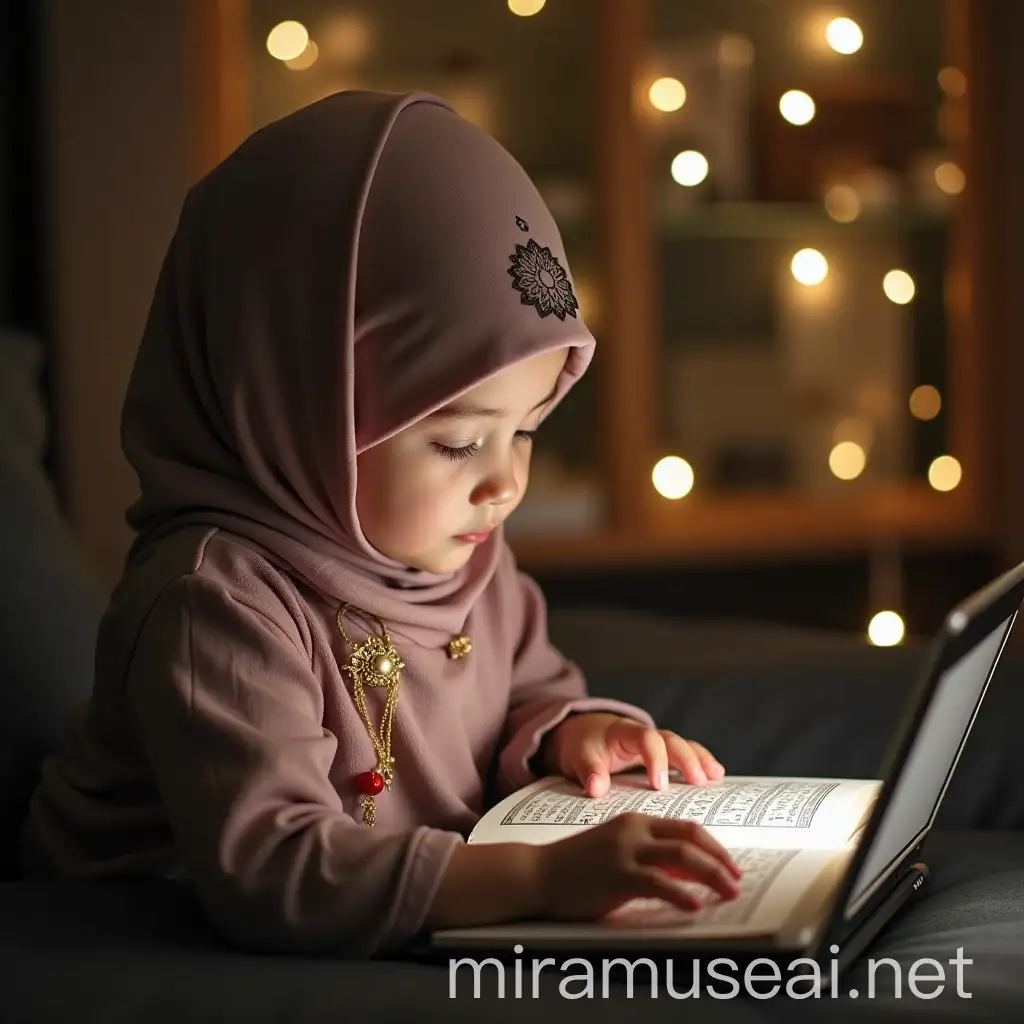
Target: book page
(774, 882)
(740, 811)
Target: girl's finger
(713, 768)
(592, 767)
(655, 755)
(653, 883)
(689, 861)
(676, 831)
(685, 758)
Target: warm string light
(945, 473)
(689, 168)
(886, 629)
(844, 35)
(290, 43)
(925, 402)
(667, 94)
(672, 477)
(950, 178)
(847, 460)
(526, 8)
(809, 267)
(898, 286)
(287, 40)
(842, 203)
(796, 107)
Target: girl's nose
(499, 487)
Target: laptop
(881, 869)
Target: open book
(792, 837)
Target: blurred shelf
(791, 220)
(768, 527)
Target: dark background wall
(22, 262)
(24, 297)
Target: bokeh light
(847, 460)
(886, 629)
(287, 40)
(950, 178)
(526, 8)
(953, 82)
(844, 35)
(925, 402)
(898, 286)
(672, 477)
(796, 107)
(945, 473)
(689, 168)
(809, 267)
(842, 203)
(667, 94)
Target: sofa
(765, 699)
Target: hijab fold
(349, 269)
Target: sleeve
(546, 688)
(230, 719)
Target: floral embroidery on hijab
(540, 279)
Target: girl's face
(430, 493)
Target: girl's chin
(442, 562)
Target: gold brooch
(459, 646)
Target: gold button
(459, 646)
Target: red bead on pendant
(370, 783)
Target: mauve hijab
(348, 270)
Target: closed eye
(458, 454)
(469, 450)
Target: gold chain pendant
(374, 663)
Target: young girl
(321, 661)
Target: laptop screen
(929, 761)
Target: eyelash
(469, 450)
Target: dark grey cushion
(50, 604)
(141, 951)
(770, 700)
(974, 901)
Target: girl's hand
(589, 747)
(632, 855)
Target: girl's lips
(473, 538)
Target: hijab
(348, 270)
